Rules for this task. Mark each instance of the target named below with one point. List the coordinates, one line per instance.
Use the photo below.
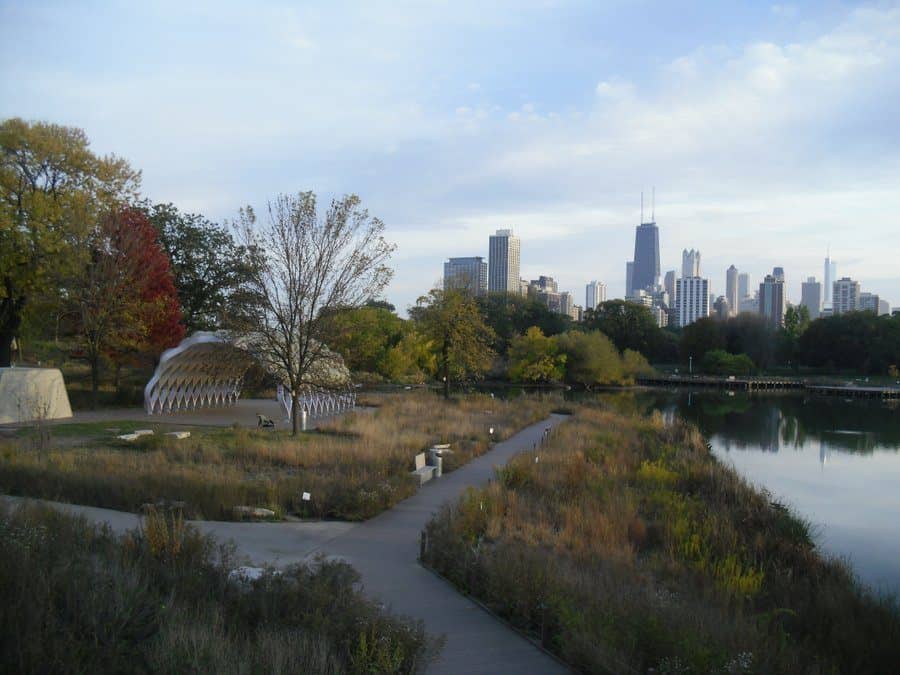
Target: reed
(354, 466)
(625, 546)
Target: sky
(769, 131)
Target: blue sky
(769, 130)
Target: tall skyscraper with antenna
(645, 271)
(830, 278)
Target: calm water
(836, 461)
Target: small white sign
(491, 430)
(306, 496)
(536, 460)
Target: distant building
(845, 296)
(691, 299)
(645, 274)
(772, 300)
(721, 307)
(670, 286)
(567, 304)
(523, 287)
(466, 273)
(830, 278)
(629, 278)
(869, 302)
(811, 297)
(743, 286)
(504, 250)
(690, 263)
(641, 297)
(577, 313)
(884, 307)
(778, 273)
(749, 305)
(542, 283)
(594, 294)
(731, 290)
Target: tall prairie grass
(164, 599)
(625, 547)
(353, 467)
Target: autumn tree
(309, 266)
(459, 337)
(123, 296)
(534, 357)
(591, 358)
(209, 267)
(52, 188)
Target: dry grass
(355, 467)
(628, 547)
(164, 600)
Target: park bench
(264, 422)
(423, 472)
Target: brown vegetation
(354, 467)
(625, 546)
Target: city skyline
(447, 131)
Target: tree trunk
(95, 380)
(10, 320)
(5, 349)
(295, 414)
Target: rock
(253, 512)
(143, 432)
(179, 434)
(128, 437)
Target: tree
(534, 357)
(860, 341)
(308, 266)
(460, 339)
(511, 315)
(702, 336)
(796, 321)
(363, 336)
(720, 362)
(52, 187)
(123, 297)
(752, 335)
(209, 267)
(630, 326)
(634, 364)
(591, 358)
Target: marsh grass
(163, 599)
(628, 547)
(354, 467)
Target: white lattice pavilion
(206, 370)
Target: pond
(835, 461)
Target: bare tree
(308, 264)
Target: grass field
(625, 547)
(164, 599)
(354, 466)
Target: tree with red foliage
(124, 297)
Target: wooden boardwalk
(765, 383)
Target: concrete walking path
(384, 550)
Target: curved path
(385, 551)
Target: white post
(303, 419)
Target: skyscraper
(869, 302)
(503, 262)
(629, 279)
(845, 296)
(771, 300)
(691, 300)
(830, 278)
(778, 273)
(743, 285)
(670, 286)
(466, 273)
(645, 275)
(731, 290)
(811, 297)
(690, 263)
(594, 294)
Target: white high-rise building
(771, 300)
(594, 294)
(830, 278)
(731, 290)
(743, 286)
(504, 262)
(690, 263)
(870, 302)
(691, 299)
(845, 296)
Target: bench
(423, 471)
